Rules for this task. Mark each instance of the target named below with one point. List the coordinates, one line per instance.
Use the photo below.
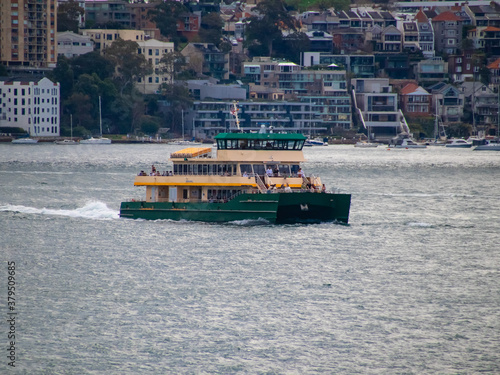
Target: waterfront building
(325, 90)
(450, 102)
(206, 59)
(378, 107)
(362, 66)
(104, 38)
(30, 104)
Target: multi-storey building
(447, 32)
(325, 91)
(449, 101)
(425, 34)
(483, 102)
(207, 59)
(70, 44)
(104, 38)
(432, 70)
(30, 104)
(377, 106)
(28, 34)
(362, 66)
(415, 101)
(153, 50)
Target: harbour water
(410, 286)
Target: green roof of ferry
(278, 136)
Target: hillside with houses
(330, 68)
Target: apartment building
(31, 104)
(28, 34)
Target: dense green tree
(165, 15)
(266, 27)
(211, 28)
(63, 73)
(150, 124)
(92, 62)
(81, 107)
(68, 14)
(3, 70)
(129, 65)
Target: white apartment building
(70, 44)
(32, 105)
(153, 50)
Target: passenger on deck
(300, 173)
(245, 174)
(276, 172)
(287, 188)
(269, 171)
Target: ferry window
(284, 169)
(184, 169)
(210, 169)
(243, 143)
(200, 169)
(184, 194)
(259, 169)
(205, 168)
(299, 145)
(245, 168)
(295, 169)
(190, 169)
(221, 144)
(176, 170)
(219, 169)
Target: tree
(292, 46)
(92, 62)
(68, 15)
(165, 15)
(129, 65)
(179, 99)
(268, 25)
(171, 64)
(211, 28)
(63, 73)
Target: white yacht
(458, 143)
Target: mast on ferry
(234, 111)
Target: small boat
(458, 143)
(315, 142)
(66, 142)
(100, 140)
(365, 144)
(95, 141)
(488, 146)
(405, 143)
(24, 141)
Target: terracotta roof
(410, 87)
(421, 17)
(494, 65)
(446, 16)
(492, 28)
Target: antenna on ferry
(234, 112)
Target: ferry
(250, 176)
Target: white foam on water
(91, 210)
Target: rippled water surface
(410, 286)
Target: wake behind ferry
(253, 176)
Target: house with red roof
(447, 32)
(415, 101)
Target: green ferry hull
(273, 207)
